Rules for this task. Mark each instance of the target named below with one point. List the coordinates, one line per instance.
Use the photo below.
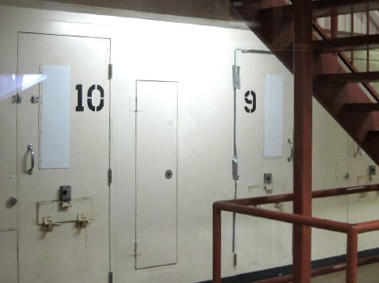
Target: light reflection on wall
(12, 83)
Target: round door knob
(12, 201)
(168, 174)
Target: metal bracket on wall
(82, 221)
(48, 224)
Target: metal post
(368, 48)
(352, 256)
(216, 245)
(302, 138)
(334, 27)
(352, 31)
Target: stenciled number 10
(90, 94)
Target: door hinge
(110, 276)
(17, 98)
(110, 71)
(236, 77)
(110, 176)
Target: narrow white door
(156, 174)
(261, 116)
(63, 143)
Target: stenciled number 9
(251, 99)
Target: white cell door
(156, 174)
(63, 128)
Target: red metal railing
(250, 207)
(348, 61)
(365, 21)
(352, 33)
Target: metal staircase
(338, 86)
(323, 70)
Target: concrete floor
(366, 274)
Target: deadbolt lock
(65, 196)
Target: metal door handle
(30, 148)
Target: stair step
(321, 8)
(347, 43)
(361, 107)
(372, 136)
(349, 77)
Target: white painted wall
(200, 58)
